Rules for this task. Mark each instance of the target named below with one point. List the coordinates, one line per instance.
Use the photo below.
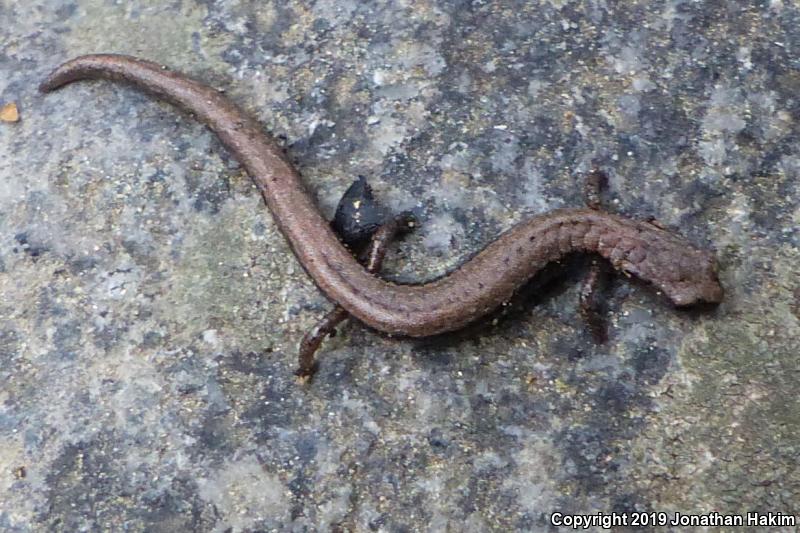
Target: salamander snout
(685, 274)
(702, 286)
(692, 278)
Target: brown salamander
(685, 274)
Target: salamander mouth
(685, 294)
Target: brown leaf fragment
(9, 113)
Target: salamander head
(685, 274)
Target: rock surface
(150, 310)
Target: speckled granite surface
(150, 310)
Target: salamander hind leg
(596, 281)
(359, 218)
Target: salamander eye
(637, 255)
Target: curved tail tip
(50, 83)
(45, 86)
(63, 74)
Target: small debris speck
(9, 113)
